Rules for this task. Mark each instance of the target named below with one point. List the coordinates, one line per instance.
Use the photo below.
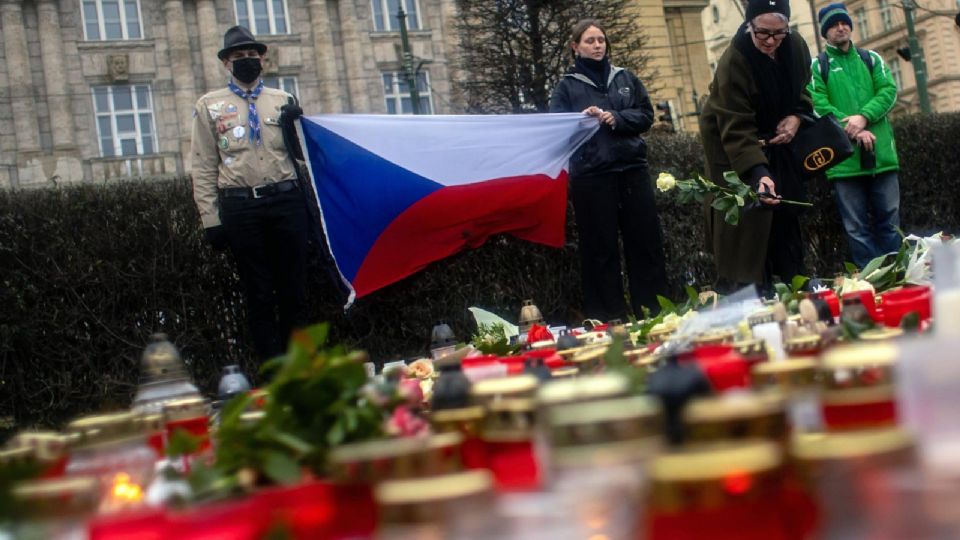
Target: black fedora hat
(238, 37)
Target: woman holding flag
(609, 181)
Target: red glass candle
(868, 301)
(898, 303)
(833, 302)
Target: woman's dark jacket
(611, 149)
(735, 117)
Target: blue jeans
(870, 210)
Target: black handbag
(820, 145)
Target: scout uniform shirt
(223, 154)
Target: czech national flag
(399, 192)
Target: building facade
(96, 90)
(104, 89)
(722, 18)
(678, 57)
(880, 25)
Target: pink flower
(410, 392)
(405, 423)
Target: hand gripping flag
(399, 192)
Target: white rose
(666, 182)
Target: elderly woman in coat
(757, 98)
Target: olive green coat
(731, 143)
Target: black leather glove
(217, 237)
(288, 113)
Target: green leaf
(732, 217)
(798, 283)
(732, 178)
(293, 442)
(692, 295)
(871, 266)
(740, 201)
(850, 267)
(281, 468)
(337, 433)
(666, 304)
(182, 443)
(722, 203)
(781, 289)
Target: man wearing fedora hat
(246, 190)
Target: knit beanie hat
(756, 8)
(832, 14)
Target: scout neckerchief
(252, 119)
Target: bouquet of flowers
(728, 199)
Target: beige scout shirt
(223, 154)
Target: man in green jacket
(856, 86)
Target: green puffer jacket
(852, 89)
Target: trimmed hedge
(89, 272)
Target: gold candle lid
(44, 446)
(585, 388)
(564, 373)
(803, 344)
(788, 374)
(860, 354)
(58, 497)
(466, 420)
(104, 429)
(716, 336)
(185, 409)
(735, 417)
(715, 462)
(424, 500)
(850, 444)
(510, 420)
(750, 347)
(709, 477)
(605, 431)
(761, 316)
(588, 358)
(404, 457)
(489, 390)
(661, 334)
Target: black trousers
(609, 207)
(784, 249)
(268, 239)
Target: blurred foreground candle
(720, 492)
(55, 509)
(113, 448)
(598, 454)
(868, 486)
(456, 505)
(734, 416)
(795, 380)
(857, 383)
(508, 437)
(946, 300)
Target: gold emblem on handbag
(820, 144)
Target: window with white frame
(385, 15)
(111, 19)
(396, 93)
(861, 22)
(287, 84)
(263, 16)
(894, 65)
(886, 16)
(125, 124)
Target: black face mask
(247, 69)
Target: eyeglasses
(764, 35)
